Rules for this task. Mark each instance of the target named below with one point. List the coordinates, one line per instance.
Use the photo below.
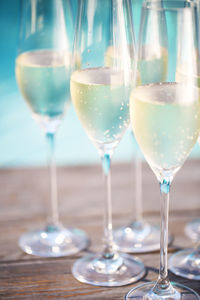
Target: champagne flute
(140, 235)
(100, 89)
(43, 69)
(165, 114)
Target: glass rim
(171, 5)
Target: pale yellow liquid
(101, 101)
(166, 122)
(43, 78)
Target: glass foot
(192, 229)
(54, 241)
(138, 237)
(186, 263)
(144, 292)
(119, 270)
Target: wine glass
(100, 88)
(43, 69)
(186, 263)
(165, 114)
(140, 235)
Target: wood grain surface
(24, 195)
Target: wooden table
(24, 205)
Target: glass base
(144, 292)
(138, 237)
(54, 241)
(185, 264)
(192, 230)
(121, 269)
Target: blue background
(22, 142)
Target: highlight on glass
(165, 113)
(43, 69)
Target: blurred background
(22, 142)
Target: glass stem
(54, 218)
(138, 189)
(163, 285)
(108, 233)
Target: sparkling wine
(43, 78)
(101, 101)
(166, 121)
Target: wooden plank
(24, 204)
